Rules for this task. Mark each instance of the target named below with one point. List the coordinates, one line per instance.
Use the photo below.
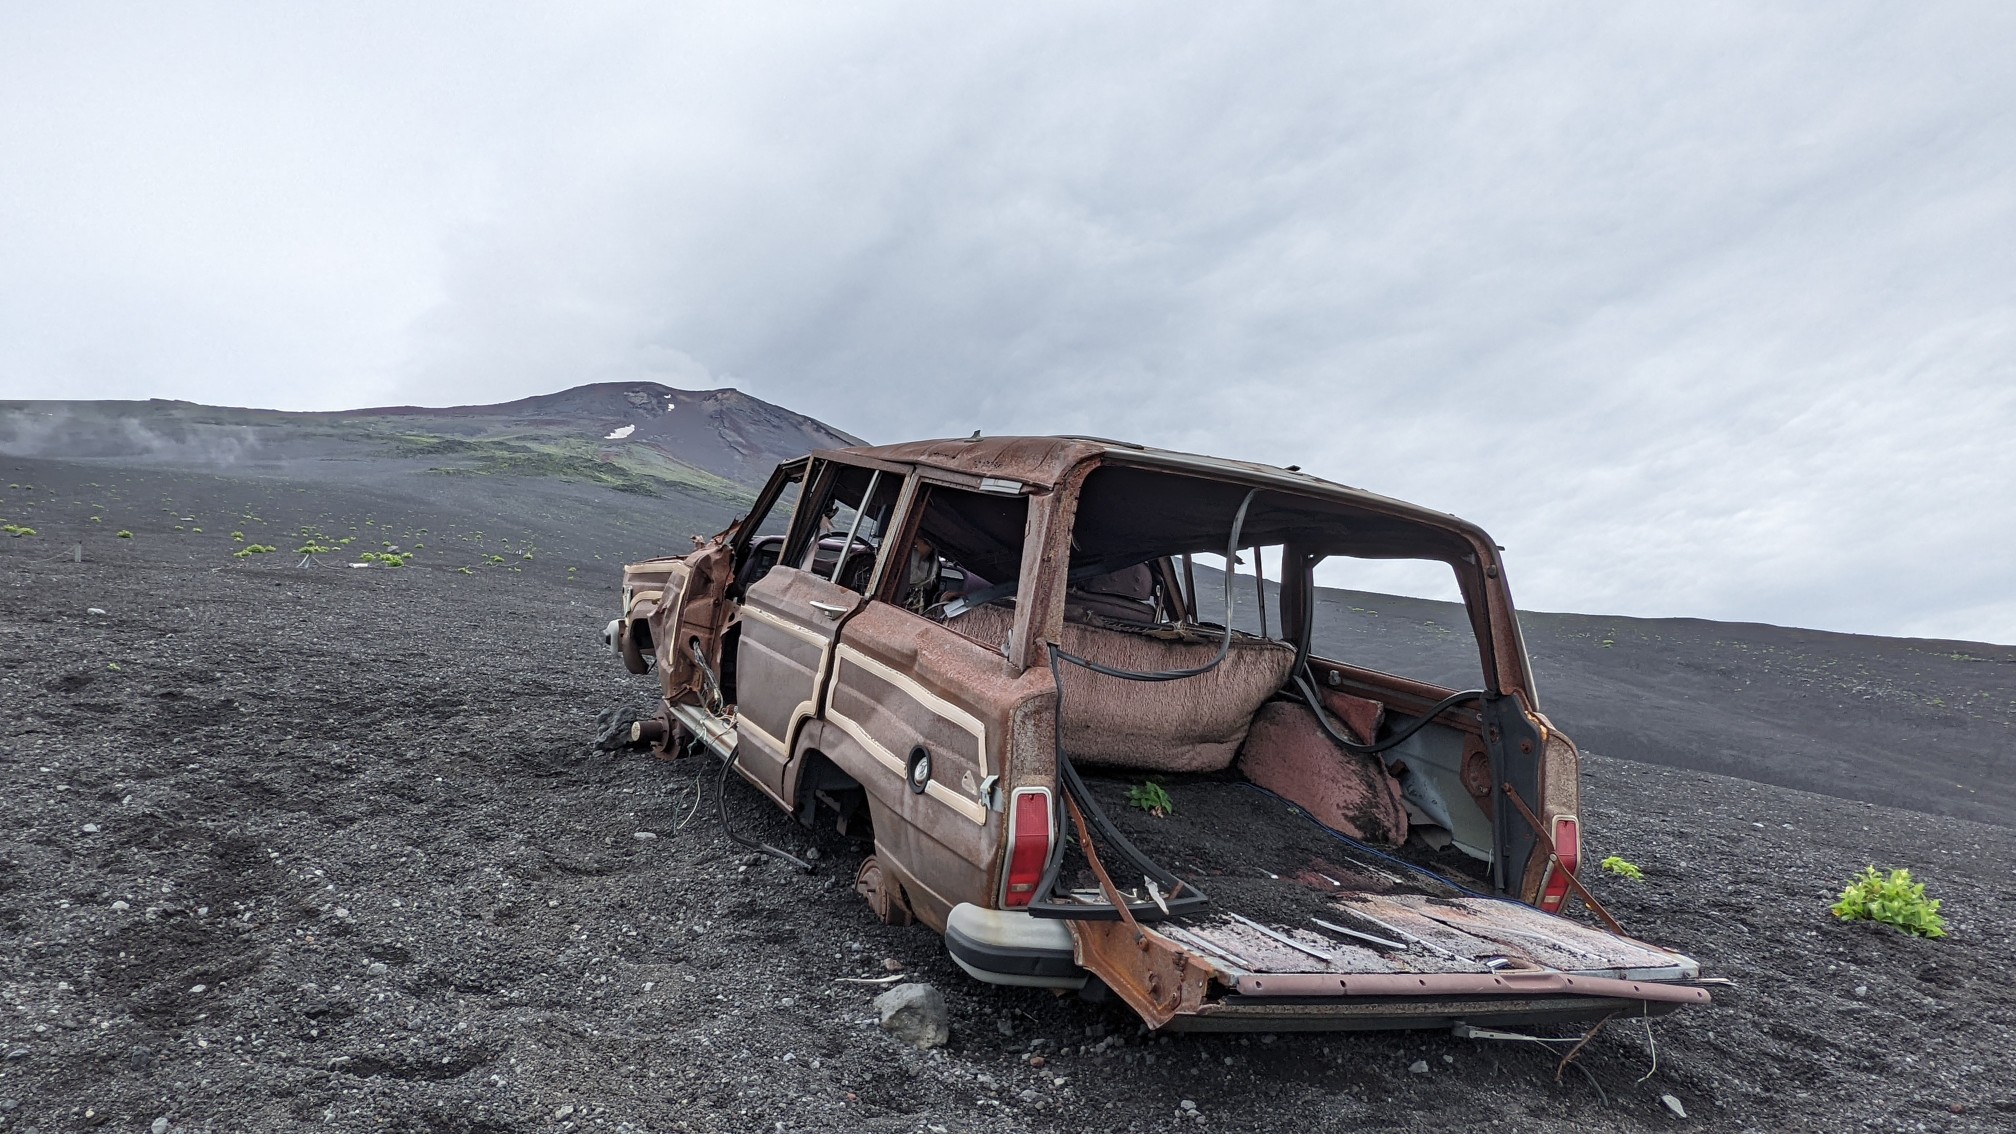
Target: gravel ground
(316, 847)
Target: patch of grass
(237, 537)
(254, 549)
(17, 530)
(642, 472)
(124, 534)
(1892, 900)
(1623, 869)
(1152, 798)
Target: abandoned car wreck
(973, 652)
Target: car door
(791, 616)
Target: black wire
(721, 812)
(1309, 694)
(1068, 772)
(1224, 644)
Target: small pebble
(121, 906)
(1673, 1105)
(199, 988)
(90, 828)
(101, 610)
(645, 836)
(891, 965)
(160, 1126)
(1419, 1067)
(378, 968)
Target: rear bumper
(1438, 1013)
(1010, 947)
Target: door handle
(831, 611)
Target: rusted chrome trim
(1462, 984)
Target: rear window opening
(1159, 582)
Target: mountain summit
(724, 432)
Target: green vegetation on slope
(640, 470)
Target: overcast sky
(1701, 309)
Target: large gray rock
(915, 1014)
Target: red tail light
(1029, 827)
(1567, 860)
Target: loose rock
(915, 1014)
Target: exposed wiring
(1080, 797)
(721, 810)
(1645, 1018)
(1309, 694)
(1224, 643)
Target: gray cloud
(1702, 311)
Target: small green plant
(124, 534)
(254, 549)
(313, 548)
(97, 519)
(16, 530)
(386, 558)
(237, 537)
(1893, 900)
(465, 570)
(1152, 798)
(1623, 869)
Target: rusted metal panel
(1520, 983)
(1156, 977)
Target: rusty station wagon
(1093, 760)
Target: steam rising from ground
(62, 433)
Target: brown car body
(829, 657)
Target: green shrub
(1895, 900)
(1623, 869)
(1152, 798)
(124, 534)
(16, 530)
(237, 537)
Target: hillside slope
(639, 437)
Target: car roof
(1046, 462)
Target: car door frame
(790, 625)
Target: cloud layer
(1704, 311)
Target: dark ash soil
(291, 848)
(1252, 852)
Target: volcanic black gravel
(317, 847)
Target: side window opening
(845, 533)
(1402, 617)
(962, 565)
(766, 545)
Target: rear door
(791, 616)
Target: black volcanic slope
(291, 847)
(1928, 725)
